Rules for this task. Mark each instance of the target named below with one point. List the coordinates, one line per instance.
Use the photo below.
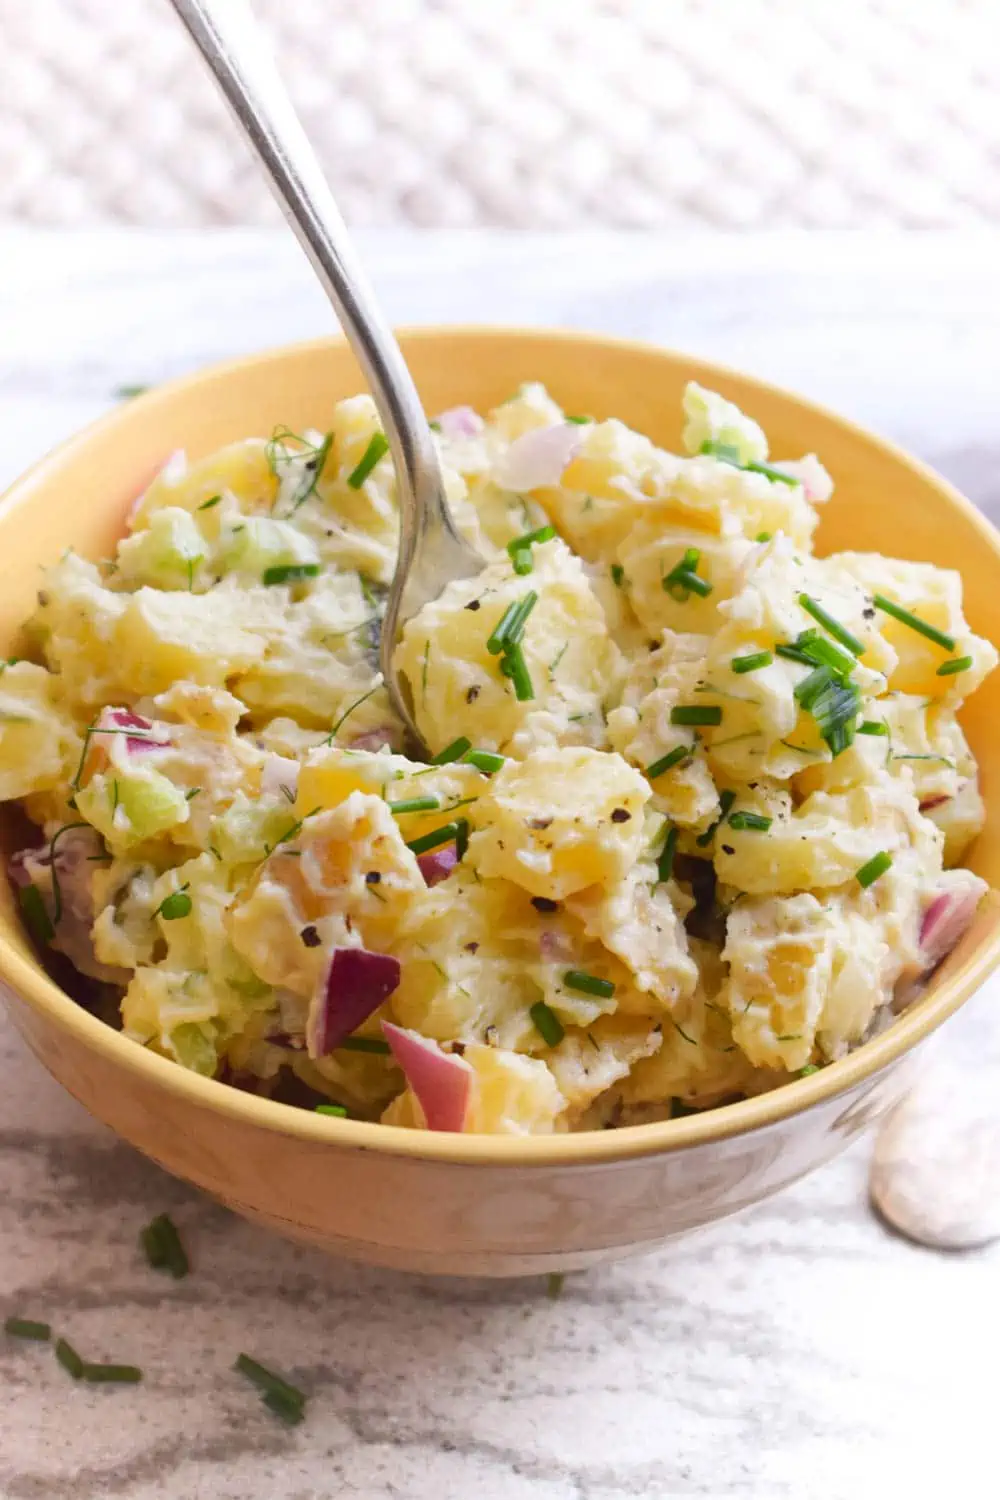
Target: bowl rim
(592, 1147)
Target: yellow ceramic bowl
(481, 1204)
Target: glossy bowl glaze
(484, 1205)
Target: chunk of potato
(560, 821)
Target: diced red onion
(945, 921)
(124, 718)
(537, 458)
(373, 739)
(934, 802)
(460, 422)
(354, 985)
(438, 864)
(441, 1081)
(148, 736)
(279, 771)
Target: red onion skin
(437, 865)
(933, 802)
(441, 1082)
(537, 458)
(944, 923)
(124, 718)
(459, 422)
(355, 984)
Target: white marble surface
(801, 1353)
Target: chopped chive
(665, 762)
(807, 1070)
(290, 573)
(331, 1109)
(177, 904)
(763, 536)
(313, 470)
(777, 475)
(694, 584)
(547, 1023)
(35, 915)
(833, 627)
(209, 504)
(484, 760)
(617, 575)
(371, 1044)
(28, 1328)
(588, 984)
(267, 1381)
(579, 421)
(665, 861)
(556, 1279)
(957, 664)
(434, 426)
(793, 653)
(129, 392)
(515, 630)
(516, 668)
(153, 1246)
(434, 839)
(378, 447)
(822, 653)
(494, 644)
(726, 800)
(112, 1374)
(528, 540)
(756, 821)
(873, 726)
(728, 453)
(683, 579)
(871, 871)
(751, 662)
(521, 559)
(163, 1247)
(69, 1359)
(414, 805)
(451, 752)
(905, 617)
(809, 689)
(461, 837)
(696, 713)
(290, 1412)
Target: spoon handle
(236, 51)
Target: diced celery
(712, 419)
(130, 807)
(258, 543)
(193, 1049)
(164, 554)
(246, 832)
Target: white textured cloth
(521, 113)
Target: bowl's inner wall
(80, 495)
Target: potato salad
(691, 822)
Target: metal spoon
(431, 551)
